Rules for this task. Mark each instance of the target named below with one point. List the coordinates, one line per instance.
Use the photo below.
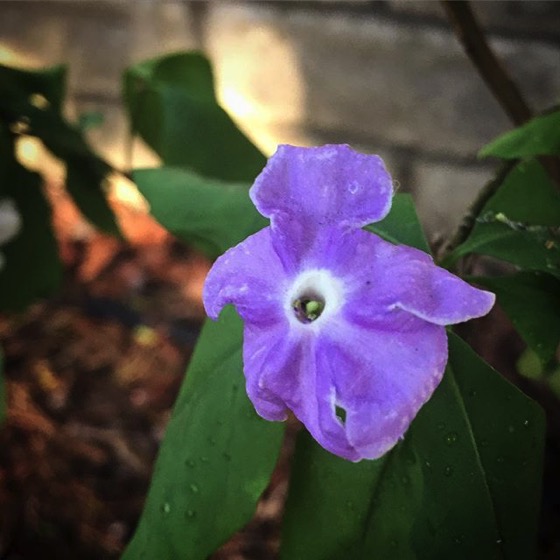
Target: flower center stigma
(308, 307)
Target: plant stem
(473, 39)
(505, 90)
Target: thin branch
(473, 39)
(505, 90)
(469, 219)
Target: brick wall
(387, 77)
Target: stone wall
(387, 77)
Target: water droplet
(526, 423)
(440, 425)
(166, 508)
(511, 429)
(212, 440)
(190, 463)
(472, 393)
(204, 459)
(226, 456)
(499, 541)
(459, 539)
(451, 438)
(194, 488)
(190, 514)
(428, 464)
(448, 471)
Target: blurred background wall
(387, 76)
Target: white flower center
(313, 296)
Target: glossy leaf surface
(532, 301)
(463, 484)
(216, 458)
(209, 214)
(520, 224)
(539, 137)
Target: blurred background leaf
(172, 106)
(206, 213)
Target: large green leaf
(463, 484)
(207, 213)
(402, 224)
(539, 137)
(32, 268)
(532, 301)
(520, 223)
(171, 104)
(215, 460)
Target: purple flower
(341, 327)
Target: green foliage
(30, 105)
(172, 106)
(401, 225)
(464, 483)
(520, 223)
(539, 137)
(532, 301)
(216, 458)
(209, 214)
(32, 268)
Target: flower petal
(281, 371)
(382, 378)
(250, 276)
(427, 291)
(305, 190)
(380, 277)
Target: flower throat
(308, 307)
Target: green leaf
(539, 137)
(85, 184)
(42, 118)
(215, 460)
(23, 85)
(463, 484)
(85, 172)
(520, 223)
(532, 301)
(401, 226)
(207, 213)
(32, 268)
(171, 104)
